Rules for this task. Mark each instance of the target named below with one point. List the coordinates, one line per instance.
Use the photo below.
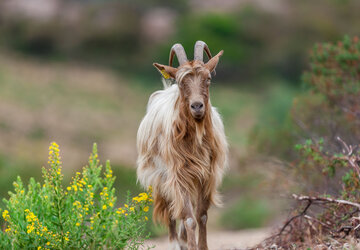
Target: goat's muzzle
(197, 110)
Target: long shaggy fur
(178, 156)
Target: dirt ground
(220, 240)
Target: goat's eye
(208, 80)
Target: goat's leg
(190, 225)
(173, 238)
(202, 217)
(182, 235)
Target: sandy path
(223, 239)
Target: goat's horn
(199, 48)
(177, 49)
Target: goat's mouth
(198, 116)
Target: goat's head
(193, 77)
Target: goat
(182, 148)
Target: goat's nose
(197, 106)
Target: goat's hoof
(183, 245)
(174, 245)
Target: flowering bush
(81, 215)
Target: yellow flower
(146, 218)
(68, 188)
(48, 243)
(111, 204)
(146, 209)
(5, 215)
(30, 228)
(77, 224)
(132, 209)
(143, 195)
(126, 205)
(104, 207)
(136, 199)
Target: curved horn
(177, 49)
(199, 48)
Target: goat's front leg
(173, 238)
(182, 235)
(202, 217)
(190, 225)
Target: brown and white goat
(182, 147)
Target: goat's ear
(166, 71)
(211, 64)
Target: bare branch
(324, 199)
(348, 149)
(294, 217)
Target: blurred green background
(80, 71)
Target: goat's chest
(196, 161)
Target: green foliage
(334, 78)
(327, 108)
(82, 215)
(314, 161)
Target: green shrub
(334, 82)
(82, 215)
(328, 107)
(329, 115)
